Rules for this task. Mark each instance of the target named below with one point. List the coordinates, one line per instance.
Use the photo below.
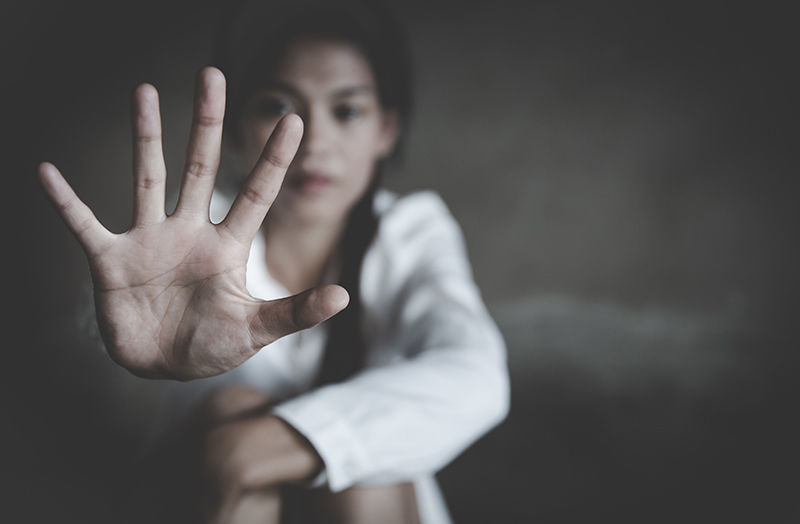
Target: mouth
(308, 181)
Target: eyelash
(346, 112)
(274, 107)
(278, 107)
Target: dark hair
(249, 50)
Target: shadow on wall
(607, 155)
(622, 415)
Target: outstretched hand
(170, 292)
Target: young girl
(356, 413)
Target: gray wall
(625, 177)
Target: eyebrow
(343, 92)
(352, 90)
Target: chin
(310, 209)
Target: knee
(389, 504)
(229, 403)
(262, 506)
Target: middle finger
(205, 140)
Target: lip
(309, 181)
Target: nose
(317, 136)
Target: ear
(389, 133)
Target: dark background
(626, 178)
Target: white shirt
(436, 377)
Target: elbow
(489, 406)
(504, 405)
(484, 394)
(498, 397)
(496, 385)
(489, 392)
(495, 392)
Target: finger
(91, 234)
(278, 318)
(205, 140)
(149, 171)
(262, 185)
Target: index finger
(264, 182)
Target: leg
(226, 404)
(256, 507)
(391, 504)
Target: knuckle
(147, 183)
(254, 196)
(83, 226)
(199, 169)
(65, 206)
(145, 138)
(272, 158)
(267, 326)
(207, 120)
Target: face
(330, 84)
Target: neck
(302, 255)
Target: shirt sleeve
(438, 379)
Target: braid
(345, 351)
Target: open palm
(170, 292)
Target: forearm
(394, 423)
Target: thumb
(281, 317)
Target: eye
(346, 112)
(273, 107)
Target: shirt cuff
(330, 435)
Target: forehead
(313, 64)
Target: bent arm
(445, 387)
(397, 422)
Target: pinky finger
(91, 234)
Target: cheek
(364, 151)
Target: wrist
(300, 461)
(277, 454)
